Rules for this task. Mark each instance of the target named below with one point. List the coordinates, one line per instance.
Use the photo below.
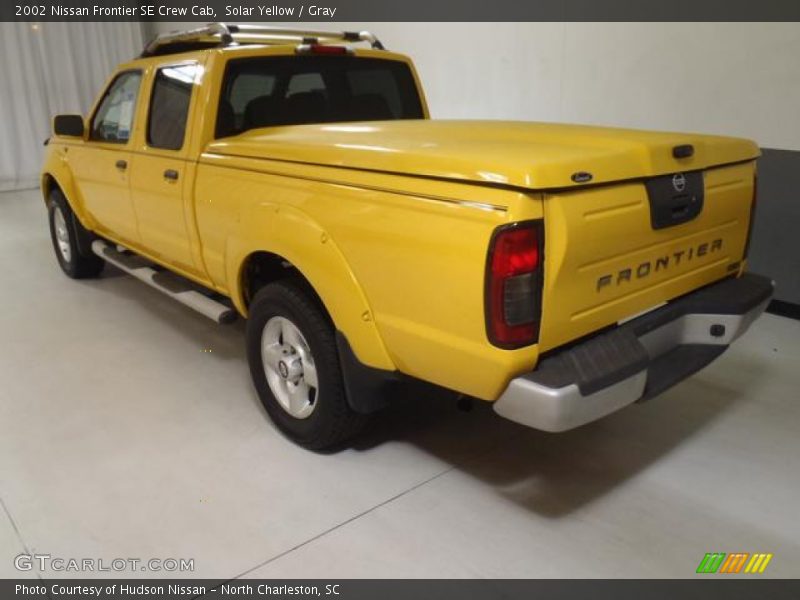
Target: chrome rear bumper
(637, 360)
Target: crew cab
(295, 179)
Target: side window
(113, 120)
(169, 106)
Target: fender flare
(296, 237)
(78, 221)
(56, 168)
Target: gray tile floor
(121, 437)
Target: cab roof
(224, 35)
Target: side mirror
(68, 125)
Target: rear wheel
(294, 363)
(64, 231)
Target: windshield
(295, 90)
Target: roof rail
(228, 34)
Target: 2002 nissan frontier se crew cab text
(561, 272)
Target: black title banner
(399, 10)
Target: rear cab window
(295, 90)
(169, 106)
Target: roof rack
(222, 34)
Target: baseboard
(784, 309)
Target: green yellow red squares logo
(735, 562)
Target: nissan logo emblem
(679, 182)
(283, 369)
(581, 177)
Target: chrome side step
(165, 282)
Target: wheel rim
(62, 234)
(289, 367)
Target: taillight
(513, 285)
(752, 217)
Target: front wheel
(64, 230)
(294, 363)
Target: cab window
(296, 90)
(113, 120)
(247, 87)
(169, 106)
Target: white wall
(728, 78)
(47, 69)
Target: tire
(287, 326)
(64, 231)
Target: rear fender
(296, 237)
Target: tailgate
(614, 251)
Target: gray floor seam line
(331, 529)
(322, 534)
(14, 526)
(19, 536)
(343, 523)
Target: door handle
(171, 174)
(122, 164)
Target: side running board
(164, 281)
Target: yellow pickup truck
(295, 178)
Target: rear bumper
(637, 360)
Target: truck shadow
(554, 475)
